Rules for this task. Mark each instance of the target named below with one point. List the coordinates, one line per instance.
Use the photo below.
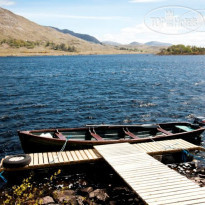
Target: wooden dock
(51, 159)
(153, 181)
(166, 146)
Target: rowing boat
(86, 137)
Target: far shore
(5, 52)
(62, 53)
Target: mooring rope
(3, 178)
(61, 150)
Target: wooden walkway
(51, 159)
(153, 181)
(166, 146)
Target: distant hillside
(17, 31)
(111, 43)
(157, 43)
(135, 43)
(85, 37)
(20, 37)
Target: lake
(72, 91)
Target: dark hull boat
(86, 137)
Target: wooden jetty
(52, 159)
(153, 181)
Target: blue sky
(114, 20)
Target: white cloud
(6, 3)
(65, 16)
(140, 33)
(144, 1)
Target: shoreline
(39, 54)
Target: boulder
(87, 189)
(46, 200)
(65, 196)
(100, 194)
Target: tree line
(16, 43)
(182, 50)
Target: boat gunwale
(30, 133)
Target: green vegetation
(61, 47)
(14, 43)
(182, 50)
(130, 49)
(27, 192)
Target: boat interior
(101, 133)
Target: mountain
(111, 43)
(135, 43)
(13, 26)
(85, 37)
(157, 43)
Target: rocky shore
(76, 185)
(86, 185)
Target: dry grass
(42, 51)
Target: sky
(122, 21)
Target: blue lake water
(71, 91)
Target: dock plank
(40, 159)
(65, 157)
(50, 158)
(155, 183)
(74, 155)
(70, 158)
(45, 158)
(60, 157)
(35, 159)
(31, 163)
(78, 155)
(88, 154)
(83, 154)
(55, 157)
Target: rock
(87, 190)
(82, 182)
(69, 200)
(202, 175)
(197, 179)
(99, 194)
(81, 200)
(121, 189)
(203, 181)
(30, 202)
(46, 200)
(112, 203)
(65, 196)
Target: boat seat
(59, 135)
(184, 128)
(130, 134)
(95, 135)
(163, 131)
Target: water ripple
(71, 91)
